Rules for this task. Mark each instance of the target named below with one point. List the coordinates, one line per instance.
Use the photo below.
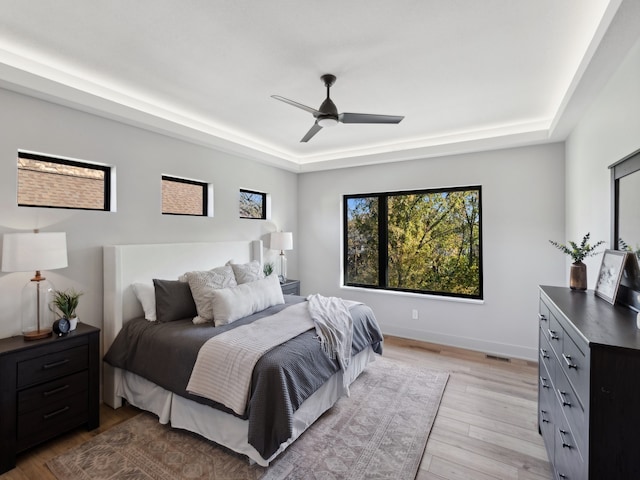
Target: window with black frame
(181, 196)
(253, 204)
(423, 241)
(48, 181)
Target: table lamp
(25, 252)
(282, 241)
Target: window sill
(414, 295)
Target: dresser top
(599, 322)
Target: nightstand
(291, 287)
(47, 387)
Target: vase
(73, 323)
(578, 276)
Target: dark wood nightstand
(47, 387)
(291, 287)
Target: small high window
(184, 197)
(45, 181)
(253, 204)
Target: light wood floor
(486, 427)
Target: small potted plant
(578, 274)
(267, 269)
(66, 302)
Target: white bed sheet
(226, 429)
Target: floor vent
(496, 357)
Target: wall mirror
(625, 235)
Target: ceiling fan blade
(312, 131)
(368, 118)
(296, 104)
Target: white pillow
(247, 272)
(230, 304)
(203, 284)
(147, 297)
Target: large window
(425, 241)
(181, 196)
(45, 181)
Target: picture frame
(611, 268)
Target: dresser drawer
(543, 318)
(568, 460)
(555, 334)
(546, 356)
(571, 408)
(52, 419)
(575, 365)
(53, 365)
(46, 393)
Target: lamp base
(37, 334)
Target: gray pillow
(173, 300)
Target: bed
(271, 422)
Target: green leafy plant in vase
(578, 274)
(66, 302)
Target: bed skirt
(226, 429)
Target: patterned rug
(379, 432)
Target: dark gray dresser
(589, 385)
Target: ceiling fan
(327, 115)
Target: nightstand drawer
(51, 366)
(291, 287)
(49, 392)
(52, 419)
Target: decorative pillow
(203, 284)
(173, 300)
(230, 304)
(147, 298)
(247, 272)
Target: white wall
(606, 133)
(522, 208)
(140, 158)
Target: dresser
(589, 385)
(290, 287)
(47, 387)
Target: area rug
(379, 432)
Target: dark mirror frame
(628, 165)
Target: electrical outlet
(414, 314)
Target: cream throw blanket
(225, 363)
(334, 326)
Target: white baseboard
(492, 348)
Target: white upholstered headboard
(127, 264)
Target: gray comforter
(283, 378)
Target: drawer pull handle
(542, 414)
(567, 360)
(553, 334)
(544, 353)
(47, 366)
(543, 382)
(542, 318)
(47, 416)
(563, 398)
(564, 442)
(55, 390)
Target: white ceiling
(466, 74)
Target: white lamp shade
(282, 241)
(28, 252)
